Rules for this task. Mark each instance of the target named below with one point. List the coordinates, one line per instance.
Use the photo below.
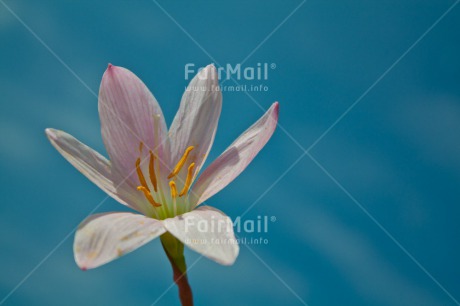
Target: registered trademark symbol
(273, 66)
(272, 218)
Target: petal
(207, 231)
(236, 157)
(195, 123)
(104, 237)
(129, 115)
(92, 164)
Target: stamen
(172, 185)
(141, 146)
(148, 195)
(153, 178)
(141, 175)
(181, 162)
(188, 180)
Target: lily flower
(152, 170)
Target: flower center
(152, 189)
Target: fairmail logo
(260, 224)
(259, 72)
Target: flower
(151, 169)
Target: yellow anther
(141, 146)
(148, 195)
(141, 175)
(188, 180)
(172, 185)
(153, 177)
(181, 162)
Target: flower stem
(174, 249)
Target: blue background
(396, 153)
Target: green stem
(174, 249)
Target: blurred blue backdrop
(396, 153)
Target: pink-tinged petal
(207, 231)
(129, 115)
(90, 163)
(195, 123)
(236, 157)
(104, 237)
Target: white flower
(152, 170)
